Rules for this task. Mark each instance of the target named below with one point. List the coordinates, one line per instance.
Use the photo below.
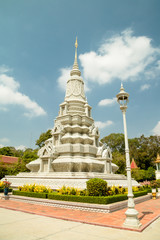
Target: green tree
(142, 175)
(115, 141)
(138, 175)
(28, 156)
(120, 161)
(43, 137)
(150, 173)
(144, 150)
(7, 151)
(3, 170)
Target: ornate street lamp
(131, 213)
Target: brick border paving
(149, 211)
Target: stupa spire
(75, 69)
(122, 88)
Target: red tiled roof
(133, 164)
(8, 159)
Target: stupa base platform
(70, 179)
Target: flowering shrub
(145, 183)
(116, 190)
(109, 191)
(112, 190)
(34, 188)
(69, 191)
(5, 184)
(1, 184)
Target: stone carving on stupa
(74, 145)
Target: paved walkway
(149, 211)
(18, 225)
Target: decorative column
(41, 166)
(49, 164)
(131, 213)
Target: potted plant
(6, 187)
(154, 189)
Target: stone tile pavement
(32, 221)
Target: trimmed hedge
(2, 190)
(92, 199)
(139, 194)
(30, 194)
(88, 199)
(75, 198)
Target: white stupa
(73, 154)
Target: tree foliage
(115, 141)
(141, 175)
(143, 149)
(120, 161)
(24, 157)
(7, 151)
(43, 137)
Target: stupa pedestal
(70, 179)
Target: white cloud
(4, 140)
(10, 95)
(156, 129)
(21, 147)
(4, 69)
(123, 56)
(64, 76)
(107, 102)
(100, 124)
(145, 87)
(1, 146)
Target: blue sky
(119, 41)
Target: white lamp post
(131, 213)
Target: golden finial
(76, 43)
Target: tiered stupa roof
(75, 146)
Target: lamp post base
(132, 219)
